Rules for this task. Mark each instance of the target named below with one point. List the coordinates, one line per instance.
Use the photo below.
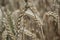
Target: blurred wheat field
(29, 19)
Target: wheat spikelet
(36, 14)
(19, 26)
(8, 26)
(51, 25)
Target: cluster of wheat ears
(20, 20)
